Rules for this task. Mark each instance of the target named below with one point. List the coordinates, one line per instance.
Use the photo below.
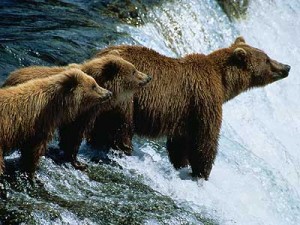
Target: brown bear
(111, 72)
(30, 112)
(184, 100)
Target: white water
(256, 176)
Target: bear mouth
(106, 98)
(280, 75)
(143, 83)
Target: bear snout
(287, 68)
(104, 95)
(107, 96)
(280, 71)
(146, 80)
(285, 71)
(149, 78)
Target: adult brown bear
(30, 112)
(111, 72)
(184, 100)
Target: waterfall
(256, 178)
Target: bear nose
(107, 96)
(287, 68)
(149, 78)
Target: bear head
(247, 67)
(117, 75)
(82, 90)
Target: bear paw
(126, 149)
(79, 166)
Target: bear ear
(240, 54)
(114, 52)
(74, 65)
(239, 40)
(70, 82)
(110, 70)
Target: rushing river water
(256, 176)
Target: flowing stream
(256, 176)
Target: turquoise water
(255, 179)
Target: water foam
(255, 179)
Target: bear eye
(134, 73)
(94, 87)
(268, 60)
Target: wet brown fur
(184, 100)
(111, 72)
(30, 112)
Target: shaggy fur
(111, 72)
(184, 100)
(30, 112)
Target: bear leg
(30, 156)
(71, 136)
(112, 129)
(3, 192)
(203, 137)
(201, 164)
(1, 162)
(122, 138)
(203, 151)
(100, 135)
(177, 149)
(123, 131)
